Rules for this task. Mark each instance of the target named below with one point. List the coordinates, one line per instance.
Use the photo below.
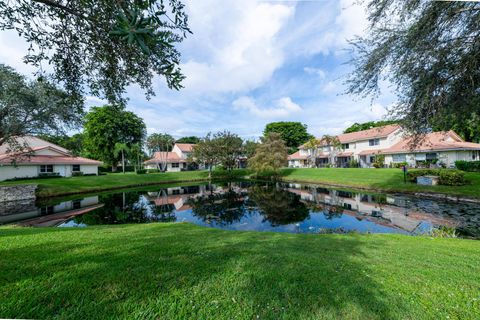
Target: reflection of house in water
(175, 198)
(386, 210)
(27, 214)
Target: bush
(470, 166)
(399, 165)
(141, 171)
(353, 163)
(447, 177)
(379, 161)
(89, 174)
(49, 175)
(77, 173)
(153, 171)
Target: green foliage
(270, 155)
(249, 148)
(443, 232)
(229, 148)
(141, 171)
(72, 143)
(470, 166)
(379, 161)
(108, 125)
(49, 175)
(428, 51)
(399, 165)
(160, 142)
(190, 139)
(33, 108)
(447, 177)
(353, 163)
(368, 125)
(77, 174)
(293, 133)
(103, 45)
(153, 171)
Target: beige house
(42, 158)
(175, 160)
(391, 141)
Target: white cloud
(284, 107)
(315, 71)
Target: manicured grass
(181, 271)
(379, 179)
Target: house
(175, 160)
(40, 158)
(362, 147)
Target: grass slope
(379, 179)
(181, 271)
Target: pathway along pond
(282, 207)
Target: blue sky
(251, 62)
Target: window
(372, 159)
(75, 168)
(399, 158)
(175, 191)
(431, 156)
(76, 204)
(346, 146)
(46, 168)
(374, 142)
(175, 165)
(184, 165)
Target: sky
(249, 63)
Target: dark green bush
(141, 171)
(447, 177)
(470, 166)
(77, 173)
(153, 171)
(49, 175)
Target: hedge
(447, 177)
(470, 166)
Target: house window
(175, 191)
(431, 156)
(399, 158)
(175, 165)
(75, 168)
(372, 159)
(374, 142)
(76, 204)
(346, 146)
(46, 168)
(184, 165)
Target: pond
(279, 207)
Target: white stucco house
(175, 160)
(41, 157)
(444, 147)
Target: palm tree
(121, 148)
(334, 144)
(312, 144)
(136, 152)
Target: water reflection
(261, 207)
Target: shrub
(353, 163)
(153, 171)
(470, 166)
(89, 174)
(49, 175)
(443, 232)
(77, 173)
(399, 165)
(447, 177)
(141, 171)
(379, 161)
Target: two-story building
(175, 160)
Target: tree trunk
(123, 162)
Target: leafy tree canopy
(102, 45)
(249, 148)
(293, 133)
(108, 125)
(190, 139)
(429, 51)
(270, 155)
(160, 142)
(33, 107)
(229, 147)
(368, 125)
(74, 143)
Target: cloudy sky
(251, 62)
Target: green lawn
(378, 179)
(182, 271)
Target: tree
(368, 125)
(121, 149)
(293, 133)
(190, 139)
(136, 155)
(74, 143)
(206, 152)
(249, 148)
(33, 108)
(103, 45)
(105, 126)
(335, 146)
(270, 155)
(429, 51)
(161, 143)
(229, 148)
(313, 145)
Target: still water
(277, 207)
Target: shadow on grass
(182, 271)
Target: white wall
(87, 169)
(11, 172)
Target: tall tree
(293, 133)
(229, 148)
(189, 139)
(34, 107)
(103, 45)
(429, 51)
(368, 125)
(163, 144)
(72, 143)
(123, 150)
(108, 125)
(249, 148)
(335, 147)
(206, 152)
(270, 155)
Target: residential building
(361, 148)
(175, 160)
(40, 157)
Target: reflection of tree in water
(277, 206)
(120, 208)
(225, 208)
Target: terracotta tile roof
(169, 157)
(373, 151)
(442, 140)
(345, 154)
(379, 132)
(185, 147)
(7, 159)
(297, 156)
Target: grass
(388, 180)
(182, 271)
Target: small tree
(270, 155)
(206, 152)
(228, 146)
(249, 148)
(335, 147)
(312, 144)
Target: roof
(163, 156)
(37, 160)
(345, 154)
(435, 141)
(185, 147)
(32, 142)
(373, 133)
(297, 156)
